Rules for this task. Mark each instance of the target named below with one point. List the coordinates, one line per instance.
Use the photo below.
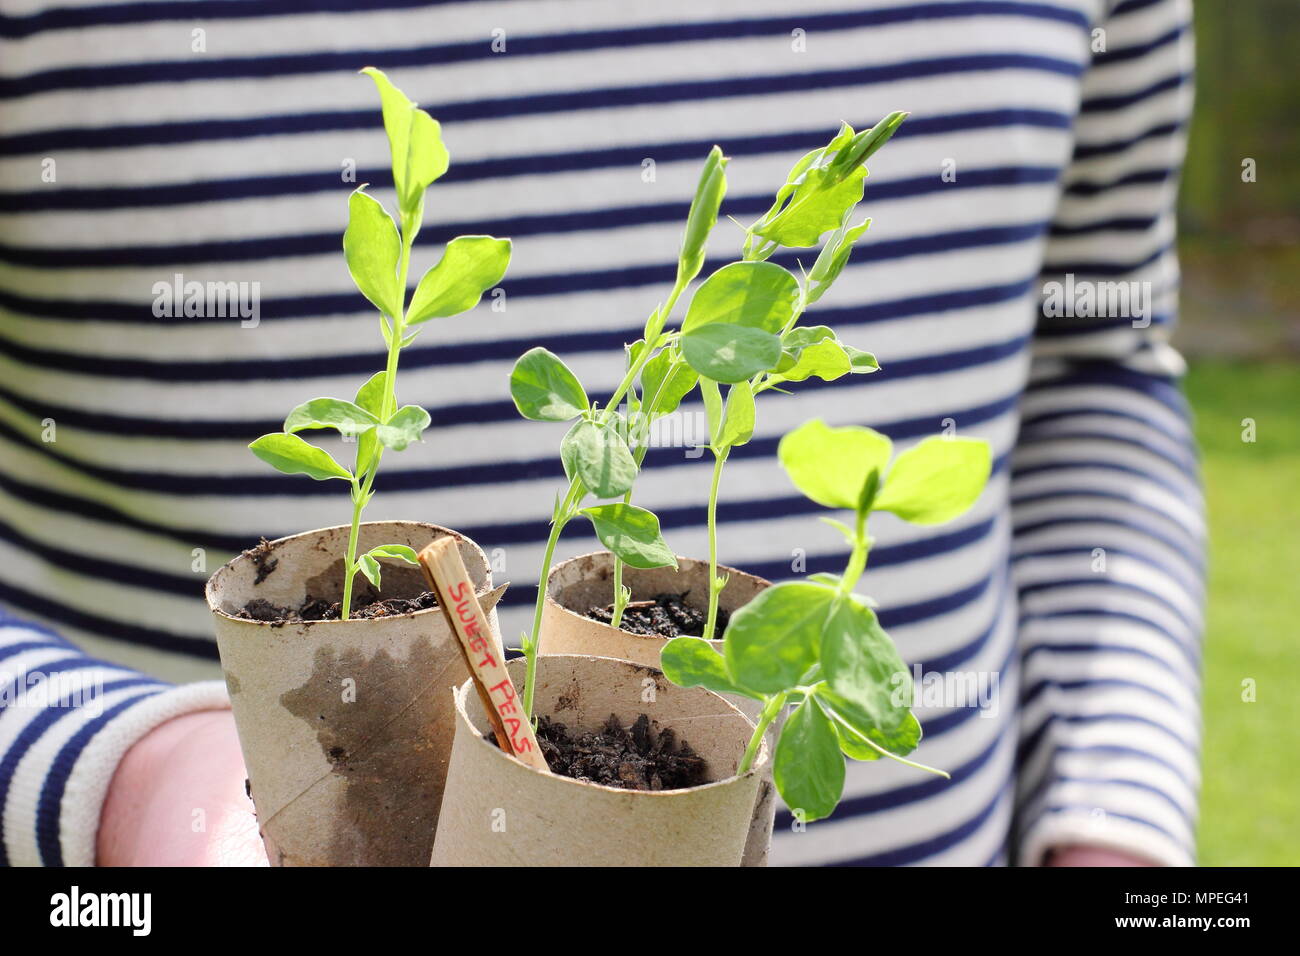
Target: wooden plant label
(449, 580)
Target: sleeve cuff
(1061, 828)
(87, 787)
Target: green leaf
(419, 156)
(398, 551)
(405, 426)
(738, 425)
(470, 266)
(776, 637)
(811, 160)
(831, 465)
(864, 144)
(730, 353)
(808, 769)
(544, 389)
(713, 410)
(372, 247)
(293, 456)
(760, 295)
(370, 396)
(703, 215)
(599, 456)
(816, 206)
(632, 533)
(368, 566)
(936, 480)
(347, 418)
(427, 157)
(693, 662)
(859, 361)
(834, 256)
(681, 378)
(826, 360)
(850, 535)
(857, 743)
(801, 336)
(862, 666)
(826, 578)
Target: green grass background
(1250, 804)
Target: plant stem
(360, 496)
(858, 558)
(349, 561)
(765, 718)
(531, 646)
(621, 594)
(715, 592)
(573, 497)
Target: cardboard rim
(688, 566)
(462, 695)
(489, 594)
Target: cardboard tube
(576, 585)
(498, 812)
(345, 726)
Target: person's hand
(1092, 856)
(177, 799)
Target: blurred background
(1240, 331)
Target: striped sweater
(213, 140)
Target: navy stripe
(1188, 493)
(1150, 824)
(918, 852)
(189, 586)
(926, 786)
(26, 25)
(1034, 690)
(270, 248)
(1187, 548)
(466, 413)
(199, 69)
(140, 313)
(56, 782)
(1190, 653)
(1084, 151)
(102, 15)
(34, 730)
(22, 647)
(417, 479)
(493, 168)
(45, 497)
(131, 633)
(1041, 788)
(1189, 581)
(1122, 101)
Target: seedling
(378, 254)
(598, 457)
(739, 330)
(817, 644)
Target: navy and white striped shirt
(209, 139)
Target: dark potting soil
(318, 609)
(262, 560)
(646, 757)
(668, 615)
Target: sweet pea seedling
(741, 329)
(817, 644)
(378, 254)
(597, 452)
